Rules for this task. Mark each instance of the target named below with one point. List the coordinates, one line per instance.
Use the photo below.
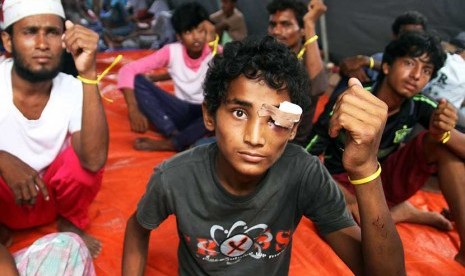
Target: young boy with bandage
(233, 199)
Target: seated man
(54, 140)
(294, 24)
(178, 117)
(236, 200)
(229, 22)
(408, 65)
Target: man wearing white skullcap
(54, 140)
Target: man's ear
(6, 39)
(385, 67)
(208, 119)
(294, 131)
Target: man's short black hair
(188, 16)
(409, 18)
(299, 9)
(257, 59)
(415, 44)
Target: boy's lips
(251, 156)
(411, 86)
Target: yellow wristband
(445, 137)
(372, 63)
(87, 81)
(100, 77)
(214, 44)
(309, 41)
(368, 178)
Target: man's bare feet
(148, 144)
(406, 212)
(5, 236)
(94, 245)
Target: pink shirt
(159, 59)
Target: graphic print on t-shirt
(231, 244)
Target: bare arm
(91, 143)
(7, 263)
(137, 120)
(363, 117)
(313, 61)
(136, 240)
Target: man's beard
(26, 73)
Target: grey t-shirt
(223, 234)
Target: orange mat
(427, 250)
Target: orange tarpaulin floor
(427, 250)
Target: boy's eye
(428, 71)
(240, 114)
(408, 62)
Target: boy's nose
(253, 133)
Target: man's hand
(24, 181)
(353, 67)
(444, 119)
(82, 44)
(315, 9)
(363, 117)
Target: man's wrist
(363, 171)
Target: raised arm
(313, 61)
(136, 242)
(91, 142)
(363, 117)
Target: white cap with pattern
(15, 10)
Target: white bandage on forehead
(285, 116)
(15, 10)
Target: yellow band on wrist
(372, 63)
(214, 44)
(368, 178)
(101, 76)
(445, 137)
(87, 81)
(309, 41)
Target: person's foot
(94, 245)
(148, 144)
(406, 212)
(5, 236)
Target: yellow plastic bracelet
(214, 44)
(87, 81)
(445, 137)
(309, 41)
(368, 178)
(372, 62)
(101, 76)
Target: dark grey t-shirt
(223, 234)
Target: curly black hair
(188, 16)
(257, 59)
(415, 44)
(409, 18)
(299, 9)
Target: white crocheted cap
(15, 10)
